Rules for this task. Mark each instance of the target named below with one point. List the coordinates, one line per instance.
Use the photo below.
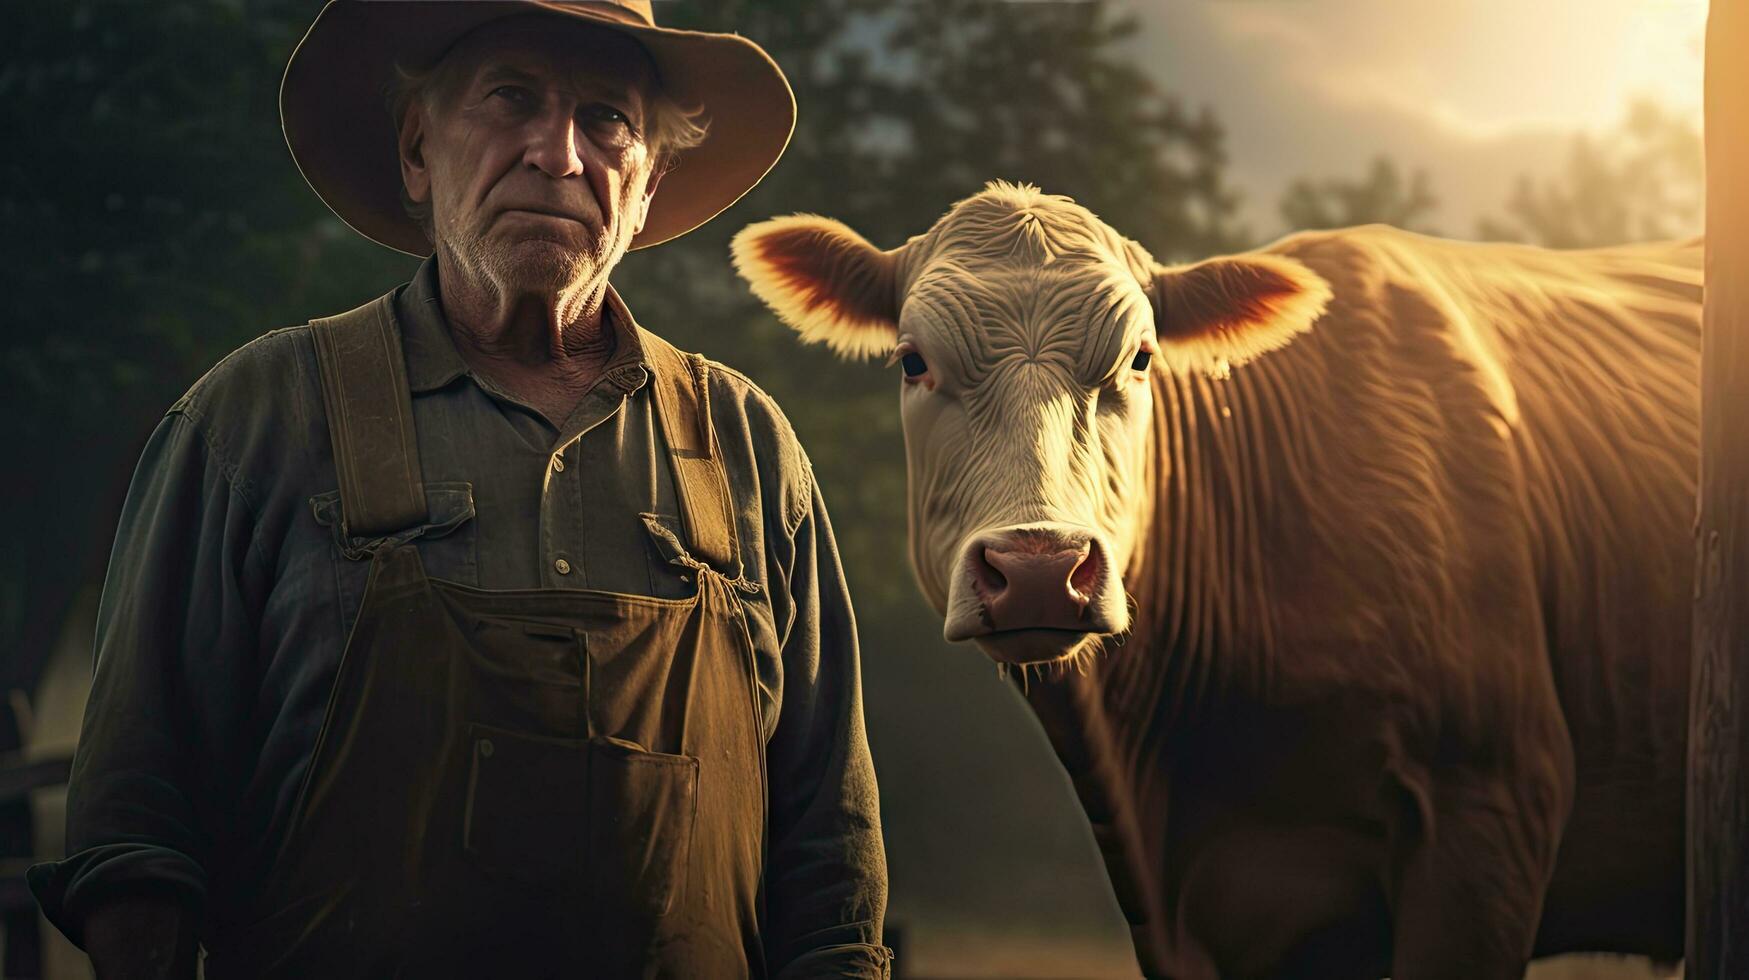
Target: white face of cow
(1026, 410)
(1026, 331)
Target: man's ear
(410, 140)
(824, 280)
(1225, 311)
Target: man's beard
(533, 265)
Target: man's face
(534, 156)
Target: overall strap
(683, 408)
(370, 419)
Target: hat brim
(332, 104)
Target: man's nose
(552, 145)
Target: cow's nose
(1029, 588)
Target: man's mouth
(547, 212)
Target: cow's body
(1481, 493)
(1411, 604)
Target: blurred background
(155, 222)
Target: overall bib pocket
(526, 811)
(569, 815)
(640, 834)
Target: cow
(1354, 573)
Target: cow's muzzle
(1034, 577)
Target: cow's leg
(1471, 877)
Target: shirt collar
(433, 361)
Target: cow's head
(1026, 331)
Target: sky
(1475, 92)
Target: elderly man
(477, 631)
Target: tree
(1035, 94)
(1383, 195)
(1644, 180)
(157, 222)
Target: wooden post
(1718, 728)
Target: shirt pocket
(446, 542)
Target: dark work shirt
(229, 599)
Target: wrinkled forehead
(973, 291)
(1018, 251)
(557, 49)
(1080, 314)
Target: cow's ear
(1225, 311)
(824, 280)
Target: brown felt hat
(332, 106)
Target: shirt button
(562, 566)
(558, 463)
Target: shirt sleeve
(826, 880)
(174, 637)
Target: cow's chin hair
(1037, 647)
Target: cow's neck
(1073, 712)
(1225, 456)
(1202, 633)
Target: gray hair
(671, 128)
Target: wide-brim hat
(332, 104)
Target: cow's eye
(914, 365)
(1141, 361)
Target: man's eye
(1141, 361)
(914, 365)
(607, 114)
(514, 93)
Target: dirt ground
(1596, 967)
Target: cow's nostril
(992, 580)
(1085, 578)
(1031, 579)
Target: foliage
(1383, 195)
(157, 223)
(1644, 180)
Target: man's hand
(148, 936)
